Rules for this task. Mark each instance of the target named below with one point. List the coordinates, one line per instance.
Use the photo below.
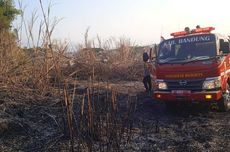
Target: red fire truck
(194, 66)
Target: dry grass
(120, 63)
(95, 121)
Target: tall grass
(117, 59)
(97, 121)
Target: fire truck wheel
(224, 103)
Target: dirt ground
(37, 124)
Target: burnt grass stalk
(96, 122)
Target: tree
(8, 13)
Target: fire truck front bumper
(183, 95)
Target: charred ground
(137, 123)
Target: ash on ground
(40, 124)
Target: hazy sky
(143, 21)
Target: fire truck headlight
(161, 85)
(212, 83)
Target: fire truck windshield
(183, 49)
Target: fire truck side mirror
(225, 47)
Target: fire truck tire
(224, 103)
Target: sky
(141, 21)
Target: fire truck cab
(194, 66)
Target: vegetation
(54, 100)
(7, 14)
(47, 75)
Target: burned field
(191, 128)
(59, 96)
(124, 119)
(95, 101)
